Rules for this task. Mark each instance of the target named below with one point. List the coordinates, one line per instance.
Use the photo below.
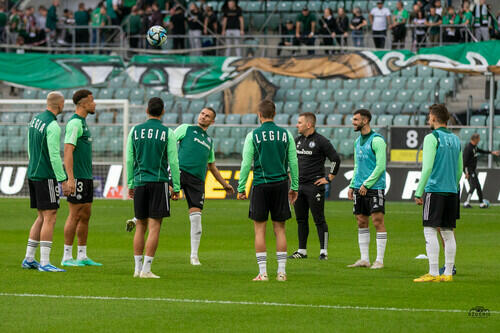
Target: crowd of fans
(429, 24)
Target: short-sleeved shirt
(401, 15)
(97, 17)
(133, 24)
(434, 19)
(380, 18)
(467, 16)
(447, 19)
(305, 22)
(78, 135)
(177, 20)
(196, 150)
(233, 18)
(357, 20)
(82, 17)
(196, 22)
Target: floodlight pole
(491, 77)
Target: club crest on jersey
(318, 197)
(312, 144)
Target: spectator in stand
(342, 27)
(481, 21)
(233, 26)
(434, 21)
(497, 26)
(3, 23)
(415, 10)
(357, 24)
(398, 26)
(420, 30)
(132, 25)
(178, 27)
(41, 23)
(51, 23)
(99, 18)
(328, 27)
(380, 19)
(305, 27)
(82, 18)
(156, 15)
(195, 25)
(467, 21)
(14, 25)
(210, 27)
(127, 7)
(30, 25)
(288, 31)
(67, 35)
(439, 9)
(113, 10)
(450, 35)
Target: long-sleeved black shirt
(470, 155)
(312, 152)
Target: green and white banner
(197, 77)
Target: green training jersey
(44, 137)
(196, 150)
(441, 163)
(369, 162)
(151, 149)
(400, 15)
(272, 151)
(78, 135)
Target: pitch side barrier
(401, 182)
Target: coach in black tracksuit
(312, 151)
(471, 152)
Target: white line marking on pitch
(206, 301)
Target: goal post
(109, 128)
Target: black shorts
(152, 200)
(194, 190)
(372, 202)
(44, 194)
(441, 210)
(84, 192)
(270, 198)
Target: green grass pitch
(355, 299)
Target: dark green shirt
(434, 19)
(51, 22)
(82, 17)
(305, 22)
(44, 136)
(78, 134)
(196, 150)
(3, 19)
(132, 24)
(151, 149)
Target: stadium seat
(181, 105)
(440, 73)
(324, 95)
(345, 107)
(334, 119)
(330, 4)
(346, 148)
(293, 130)
(293, 119)
(394, 108)
(363, 5)
(117, 81)
(342, 133)
(421, 96)
(214, 97)
(291, 108)
(327, 132)
(496, 121)
(15, 144)
(424, 71)
(309, 107)
(30, 94)
(350, 84)
(379, 107)
(382, 82)
(404, 96)
(414, 83)
(280, 94)
(410, 107)
(187, 118)
(196, 106)
(137, 94)
(137, 118)
(105, 93)
(220, 119)
(341, 95)
(281, 119)
(302, 83)
(362, 105)
(334, 84)
(357, 95)
(372, 96)
(122, 93)
(23, 117)
(388, 96)
(258, 21)
(8, 117)
(308, 95)
(410, 71)
(401, 120)
(106, 117)
(320, 118)
(284, 6)
(314, 5)
(287, 82)
(238, 146)
(214, 105)
(298, 5)
(233, 119)
(398, 83)
(292, 95)
(327, 107)
(366, 83)
(430, 82)
(279, 107)
(385, 120)
(249, 119)
(252, 6)
(478, 121)
(318, 84)
(239, 132)
(170, 118)
(418, 120)
(226, 146)
(447, 84)
(222, 132)
(165, 96)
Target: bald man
(45, 170)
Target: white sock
(450, 250)
(381, 243)
(323, 251)
(364, 243)
(262, 262)
(134, 219)
(146, 267)
(281, 256)
(469, 196)
(45, 248)
(31, 249)
(138, 264)
(432, 248)
(68, 252)
(302, 251)
(195, 219)
(82, 252)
